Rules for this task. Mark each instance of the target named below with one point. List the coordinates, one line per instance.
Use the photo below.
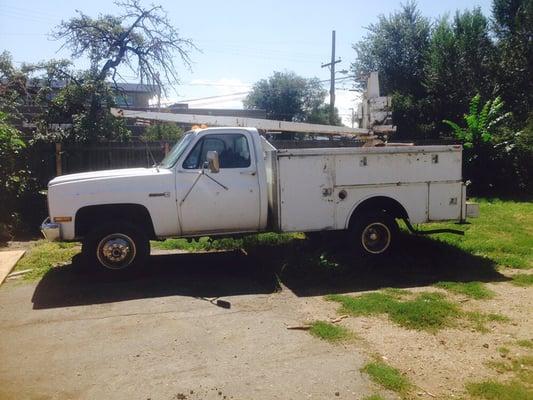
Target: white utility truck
(231, 181)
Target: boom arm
(264, 124)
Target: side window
(233, 151)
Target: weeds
(428, 311)
(521, 367)
(479, 320)
(527, 343)
(475, 290)
(522, 280)
(373, 397)
(329, 332)
(44, 255)
(504, 351)
(208, 244)
(388, 377)
(492, 390)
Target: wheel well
(87, 217)
(375, 204)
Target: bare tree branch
(141, 39)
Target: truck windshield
(177, 151)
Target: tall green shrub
(480, 139)
(12, 180)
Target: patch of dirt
(440, 364)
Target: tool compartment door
(445, 201)
(306, 193)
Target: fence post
(59, 169)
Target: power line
(27, 10)
(29, 15)
(215, 97)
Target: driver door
(227, 201)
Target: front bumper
(50, 230)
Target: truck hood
(106, 174)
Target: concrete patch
(8, 259)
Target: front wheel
(374, 235)
(116, 246)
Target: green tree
(288, 97)
(320, 115)
(459, 63)
(13, 86)
(396, 48)
(512, 25)
(79, 112)
(139, 39)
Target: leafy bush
(497, 159)
(170, 132)
(12, 180)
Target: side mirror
(212, 161)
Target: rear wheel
(374, 235)
(116, 246)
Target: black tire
(116, 246)
(374, 235)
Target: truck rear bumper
(51, 231)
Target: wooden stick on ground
(338, 319)
(300, 327)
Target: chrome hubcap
(376, 238)
(116, 251)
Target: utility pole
(331, 66)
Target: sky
(240, 41)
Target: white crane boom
(264, 124)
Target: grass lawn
(503, 232)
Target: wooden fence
(47, 160)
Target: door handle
(248, 173)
